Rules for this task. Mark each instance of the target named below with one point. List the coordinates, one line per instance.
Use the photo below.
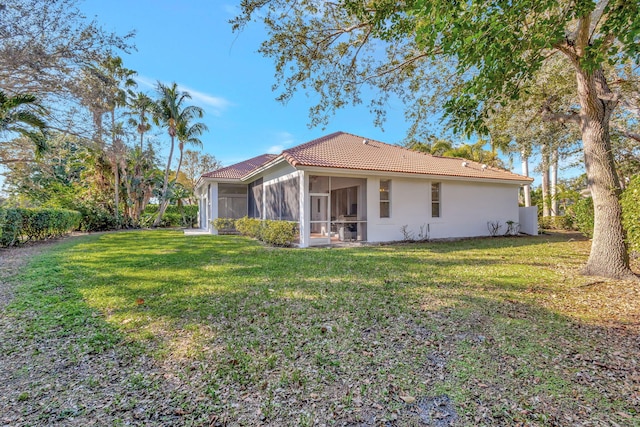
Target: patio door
(319, 225)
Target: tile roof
(346, 151)
(241, 169)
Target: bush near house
(224, 225)
(249, 227)
(279, 233)
(18, 225)
(272, 232)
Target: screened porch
(337, 210)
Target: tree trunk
(116, 168)
(525, 172)
(553, 182)
(608, 257)
(164, 202)
(544, 165)
(116, 173)
(128, 215)
(181, 147)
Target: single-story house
(344, 187)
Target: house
(344, 187)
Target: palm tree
(119, 79)
(140, 104)
(22, 114)
(188, 134)
(436, 146)
(170, 112)
(178, 194)
(104, 89)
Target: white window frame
(437, 202)
(388, 200)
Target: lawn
(158, 328)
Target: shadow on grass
(352, 314)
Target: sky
(191, 42)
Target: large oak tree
(470, 57)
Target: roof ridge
(314, 141)
(267, 158)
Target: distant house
(344, 187)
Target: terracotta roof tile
(346, 151)
(241, 169)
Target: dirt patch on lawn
(11, 261)
(50, 378)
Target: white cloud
(285, 138)
(282, 141)
(275, 149)
(146, 82)
(212, 104)
(202, 99)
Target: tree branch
(8, 161)
(596, 15)
(612, 97)
(582, 34)
(399, 66)
(572, 117)
(630, 135)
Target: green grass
(289, 336)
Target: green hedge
(250, 227)
(631, 213)
(18, 225)
(96, 217)
(279, 233)
(562, 222)
(174, 216)
(583, 214)
(276, 233)
(224, 225)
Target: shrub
(513, 228)
(250, 227)
(276, 233)
(583, 216)
(561, 222)
(35, 224)
(224, 224)
(494, 228)
(279, 233)
(170, 219)
(631, 213)
(10, 226)
(188, 214)
(174, 216)
(96, 218)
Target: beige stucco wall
(466, 207)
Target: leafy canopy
(500, 44)
(469, 57)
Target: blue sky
(191, 43)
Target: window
(435, 200)
(232, 201)
(281, 200)
(385, 199)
